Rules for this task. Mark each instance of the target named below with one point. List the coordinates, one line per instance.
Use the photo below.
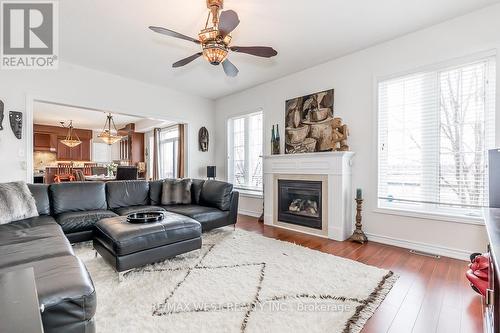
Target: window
(169, 145)
(245, 152)
(434, 131)
(101, 152)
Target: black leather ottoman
(126, 245)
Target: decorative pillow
(196, 190)
(155, 189)
(176, 192)
(216, 194)
(16, 202)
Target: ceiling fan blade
(172, 33)
(259, 51)
(229, 68)
(228, 21)
(187, 60)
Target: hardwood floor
(431, 295)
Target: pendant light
(109, 135)
(71, 141)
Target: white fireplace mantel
(333, 168)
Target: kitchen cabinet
(137, 148)
(44, 142)
(48, 138)
(78, 153)
(63, 151)
(131, 145)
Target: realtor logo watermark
(29, 37)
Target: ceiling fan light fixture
(215, 3)
(227, 39)
(215, 53)
(209, 34)
(215, 39)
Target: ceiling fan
(215, 40)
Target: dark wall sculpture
(16, 123)
(203, 139)
(1, 116)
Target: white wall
(250, 205)
(79, 86)
(353, 78)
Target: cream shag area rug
(238, 282)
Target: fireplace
(300, 202)
(332, 170)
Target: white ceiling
(112, 35)
(53, 114)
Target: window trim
(401, 210)
(479, 220)
(228, 144)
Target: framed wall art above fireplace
(309, 123)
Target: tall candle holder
(358, 235)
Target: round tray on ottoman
(145, 217)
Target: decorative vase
(276, 141)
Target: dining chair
(126, 173)
(79, 175)
(87, 168)
(64, 173)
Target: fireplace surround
(330, 169)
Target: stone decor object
(203, 139)
(1, 115)
(311, 126)
(341, 133)
(16, 123)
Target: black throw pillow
(216, 194)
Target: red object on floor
(477, 274)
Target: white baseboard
(249, 213)
(423, 247)
(444, 251)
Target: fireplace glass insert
(299, 202)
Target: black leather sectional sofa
(78, 206)
(68, 213)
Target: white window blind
(434, 131)
(245, 152)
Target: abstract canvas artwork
(310, 125)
